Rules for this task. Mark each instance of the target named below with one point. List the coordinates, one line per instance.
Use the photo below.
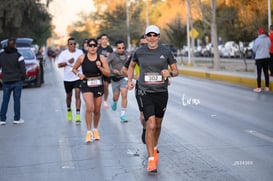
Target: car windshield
(26, 53)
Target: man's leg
(151, 143)
(68, 86)
(78, 104)
(17, 100)
(158, 122)
(150, 135)
(124, 92)
(143, 123)
(116, 92)
(106, 93)
(5, 102)
(68, 105)
(149, 115)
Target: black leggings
(271, 64)
(262, 64)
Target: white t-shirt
(64, 57)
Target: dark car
(33, 71)
(249, 51)
(20, 42)
(173, 49)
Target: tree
(209, 17)
(114, 23)
(79, 35)
(176, 32)
(28, 18)
(214, 36)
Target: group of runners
(92, 70)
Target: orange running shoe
(96, 134)
(88, 138)
(156, 156)
(152, 166)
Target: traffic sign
(194, 33)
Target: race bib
(94, 82)
(153, 78)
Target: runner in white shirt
(66, 60)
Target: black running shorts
(97, 91)
(69, 86)
(154, 104)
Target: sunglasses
(152, 35)
(72, 43)
(92, 45)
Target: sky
(65, 12)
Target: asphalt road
(211, 131)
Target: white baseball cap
(152, 29)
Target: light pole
(147, 13)
(269, 14)
(188, 32)
(128, 25)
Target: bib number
(94, 82)
(153, 78)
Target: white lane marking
(260, 135)
(66, 155)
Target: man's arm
(174, 71)
(131, 75)
(22, 67)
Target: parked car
(20, 42)
(173, 49)
(249, 50)
(185, 51)
(230, 49)
(33, 71)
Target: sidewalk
(247, 79)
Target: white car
(230, 49)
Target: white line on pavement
(260, 135)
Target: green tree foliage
(113, 23)
(176, 32)
(236, 20)
(28, 18)
(80, 36)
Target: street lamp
(269, 14)
(188, 31)
(147, 13)
(128, 25)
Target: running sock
(68, 108)
(123, 111)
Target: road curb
(243, 80)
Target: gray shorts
(116, 86)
